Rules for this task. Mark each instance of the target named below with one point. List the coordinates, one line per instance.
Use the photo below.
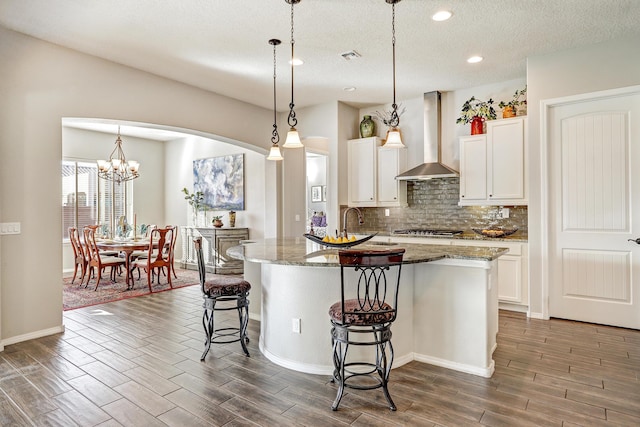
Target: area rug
(77, 296)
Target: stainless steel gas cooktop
(427, 232)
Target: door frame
(545, 186)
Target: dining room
(154, 198)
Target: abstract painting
(221, 180)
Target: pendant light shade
(293, 138)
(394, 140)
(274, 153)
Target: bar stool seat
(222, 293)
(373, 278)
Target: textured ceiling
(222, 45)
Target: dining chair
(156, 257)
(80, 260)
(172, 249)
(369, 282)
(97, 260)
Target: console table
(215, 242)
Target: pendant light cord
(292, 114)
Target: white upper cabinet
(493, 166)
(372, 174)
(391, 163)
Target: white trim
(545, 108)
(461, 262)
(31, 336)
(469, 369)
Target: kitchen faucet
(344, 219)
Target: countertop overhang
(302, 252)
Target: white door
(594, 209)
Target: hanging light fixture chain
(292, 120)
(275, 137)
(395, 119)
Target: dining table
(126, 247)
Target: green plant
(476, 108)
(196, 200)
(217, 217)
(517, 99)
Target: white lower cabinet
(513, 272)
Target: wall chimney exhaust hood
(433, 167)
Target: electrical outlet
(504, 213)
(297, 218)
(295, 325)
(386, 212)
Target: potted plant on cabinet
(476, 112)
(509, 109)
(217, 221)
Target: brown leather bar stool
(368, 305)
(219, 294)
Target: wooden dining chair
(157, 258)
(172, 249)
(80, 260)
(97, 260)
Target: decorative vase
(367, 127)
(217, 223)
(477, 127)
(232, 219)
(508, 112)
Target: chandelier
(117, 168)
(393, 137)
(293, 138)
(274, 154)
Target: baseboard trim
(469, 369)
(31, 336)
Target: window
(87, 200)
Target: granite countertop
(301, 251)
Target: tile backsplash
(434, 204)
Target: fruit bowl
(494, 231)
(348, 244)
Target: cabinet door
(391, 162)
(225, 239)
(505, 162)
(362, 172)
(509, 278)
(473, 168)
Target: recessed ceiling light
(296, 61)
(442, 15)
(349, 89)
(474, 59)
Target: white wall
(40, 84)
(179, 174)
(587, 69)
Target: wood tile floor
(136, 363)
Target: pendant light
(394, 140)
(274, 154)
(117, 168)
(293, 138)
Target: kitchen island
(447, 307)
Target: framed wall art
(221, 180)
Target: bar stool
(222, 289)
(367, 306)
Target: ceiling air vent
(352, 54)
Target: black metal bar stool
(367, 306)
(222, 289)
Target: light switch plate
(10, 228)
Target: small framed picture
(316, 193)
(324, 193)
